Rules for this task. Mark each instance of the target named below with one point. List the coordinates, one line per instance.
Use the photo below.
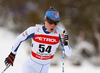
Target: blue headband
(52, 14)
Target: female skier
(45, 41)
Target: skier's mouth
(51, 29)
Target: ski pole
(63, 54)
(6, 68)
(63, 60)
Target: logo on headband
(55, 13)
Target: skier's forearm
(68, 50)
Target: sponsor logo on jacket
(46, 39)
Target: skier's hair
(52, 8)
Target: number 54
(43, 49)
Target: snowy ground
(6, 41)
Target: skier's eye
(50, 21)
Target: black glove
(65, 38)
(10, 59)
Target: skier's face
(50, 26)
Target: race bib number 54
(43, 49)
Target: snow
(7, 39)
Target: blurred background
(80, 18)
